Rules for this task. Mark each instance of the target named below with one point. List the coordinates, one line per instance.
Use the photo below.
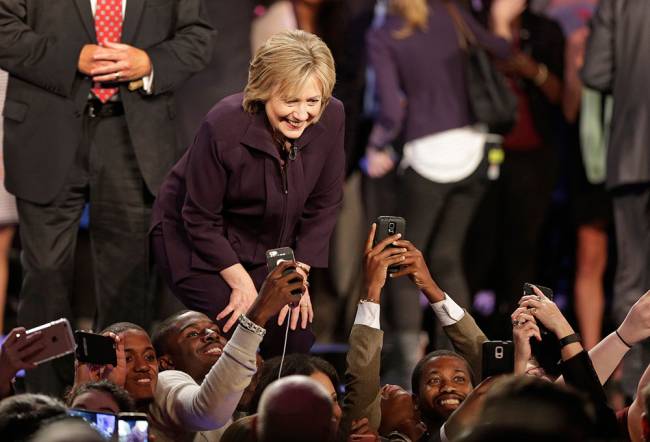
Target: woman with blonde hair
(424, 102)
(265, 171)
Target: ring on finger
(117, 75)
(533, 310)
(515, 322)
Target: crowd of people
(231, 151)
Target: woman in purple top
(423, 102)
(265, 171)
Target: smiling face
(197, 345)
(444, 385)
(291, 114)
(141, 365)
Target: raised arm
(362, 390)
(210, 405)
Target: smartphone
(389, 226)
(275, 256)
(104, 423)
(132, 427)
(57, 337)
(95, 349)
(528, 290)
(498, 357)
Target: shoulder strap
(465, 35)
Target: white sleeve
(210, 405)
(147, 82)
(368, 314)
(447, 311)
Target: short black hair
(162, 332)
(417, 371)
(296, 363)
(121, 396)
(22, 415)
(121, 327)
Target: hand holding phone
(56, 338)
(498, 357)
(389, 226)
(18, 350)
(95, 349)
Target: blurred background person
(616, 61)
(516, 205)
(8, 214)
(423, 98)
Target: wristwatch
(575, 337)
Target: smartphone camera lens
(391, 228)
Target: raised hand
(636, 325)
(276, 293)
(16, 353)
(546, 312)
(415, 267)
(524, 327)
(376, 261)
(303, 311)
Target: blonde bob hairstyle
(284, 64)
(415, 14)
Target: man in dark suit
(89, 118)
(616, 62)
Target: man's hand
(416, 268)
(17, 349)
(276, 293)
(304, 311)
(87, 61)
(524, 327)
(127, 63)
(92, 373)
(377, 259)
(398, 413)
(636, 325)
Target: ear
(414, 399)
(165, 363)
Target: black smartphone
(275, 256)
(389, 226)
(498, 357)
(528, 290)
(95, 349)
(102, 422)
(132, 427)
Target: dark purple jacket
(421, 83)
(226, 200)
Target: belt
(97, 109)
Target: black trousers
(106, 175)
(437, 216)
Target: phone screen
(103, 423)
(133, 429)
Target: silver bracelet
(251, 326)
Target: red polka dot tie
(108, 27)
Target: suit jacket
(228, 200)
(40, 42)
(616, 61)
(226, 73)
(468, 338)
(363, 361)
